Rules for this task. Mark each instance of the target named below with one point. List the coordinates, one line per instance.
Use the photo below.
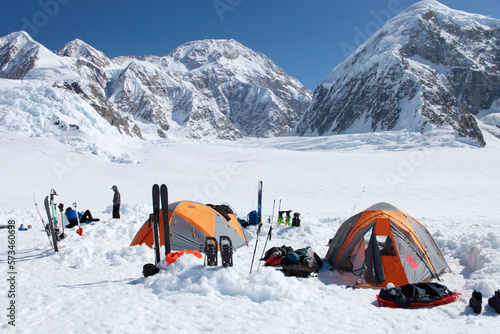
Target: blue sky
(307, 38)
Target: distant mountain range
(211, 88)
(428, 67)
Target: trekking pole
(255, 248)
(269, 233)
(357, 200)
(265, 245)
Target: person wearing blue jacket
(71, 214)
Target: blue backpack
(253, 218)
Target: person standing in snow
(116, 202)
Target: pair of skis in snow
(226, 251)
(51, 227)
(160, 194)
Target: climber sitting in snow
(71, 214)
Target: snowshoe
(226, 251)
(210, 250)
(476, 301)
(494, 301)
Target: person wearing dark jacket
(116, 202)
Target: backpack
(308, 262)
(276, 253)
(252, 217)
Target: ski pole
(80, 229)
(268, 234)
(255, 248)
(265, 245)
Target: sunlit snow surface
(95, 285)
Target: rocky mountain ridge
(212, 88)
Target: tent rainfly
(382, 245)
(190, 223)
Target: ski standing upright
(45, 227)
(166, 223)
(259, 220)
(50, 224)
(156, 221)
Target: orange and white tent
(382, 245)
(190, 223)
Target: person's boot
(476, 301)
(494, 301)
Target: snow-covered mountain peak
(79, 49)
(227, 54)
(17, 38)
(429, 66)
(21, 57)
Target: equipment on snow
(253, 217)
(50, 225)
(269, 233)
(476, 301)
(79, 231)
(61, 208)
(190, 223)
(156, 221)
(150, 269)
(288, 218)
(301, 263)
(274, 255)
(45, 227)
(280, 217)
(22, 228)
(173, 256)
(165, 222)
(494, 302)
(296, 219)
(226, 251)
(210, 250)
(259, 205)
(284, 220)
(400, 249)
(416, 296)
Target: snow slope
(94, 284)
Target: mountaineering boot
(296, 219)
(494, 301)
(287, 219)
(476, 302)
(280, 217)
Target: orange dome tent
(190, 223)
(382, 245)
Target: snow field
(95, 284)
